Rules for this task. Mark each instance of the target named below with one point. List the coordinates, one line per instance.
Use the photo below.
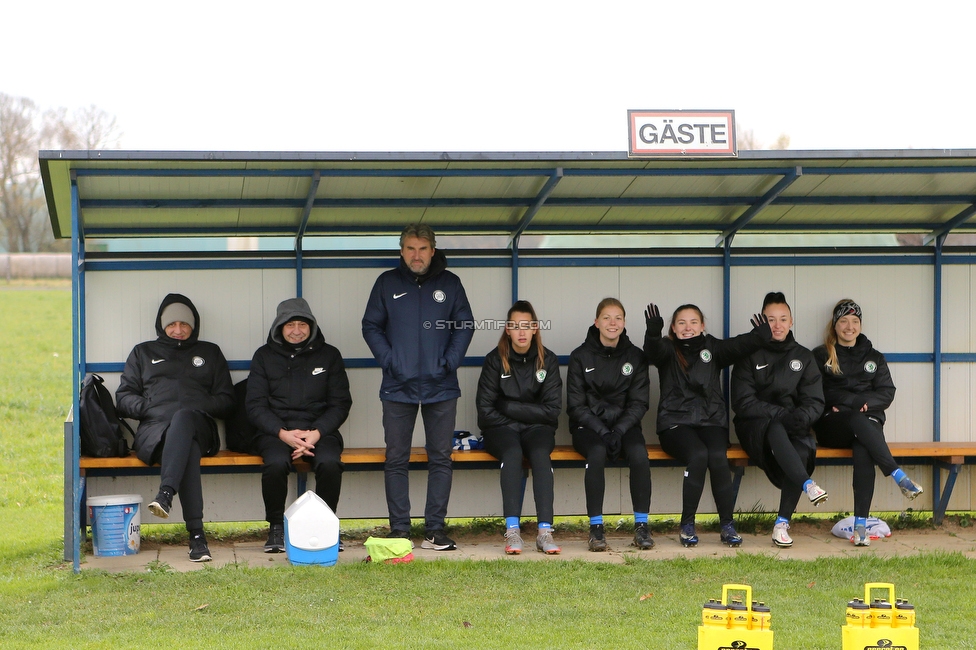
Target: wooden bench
(949, 456)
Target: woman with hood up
(175, 386)
(297, 398)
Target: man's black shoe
(198, 547)
(436, 540)
(162, 504)
(276, 539)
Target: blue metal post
(515, 268)
(937, 376)
(72, 442)
(303, 225)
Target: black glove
(652, 317)
(614, 444)
(761, 325)
(796, 424)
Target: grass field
(442, 604)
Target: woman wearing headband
(857, 390)
(776, 395)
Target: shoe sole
(643, 547)
(554, 551)
(732, 543)
(688, 543)
(819, 500)
(598, 548)
(864, 543)
(276, 549)
(780, 544)
(203, 558)
(513, 551)
(157, 510)
(912, 496)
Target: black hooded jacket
(864, 379)
(297, 387)
(694, 397)
(522, 397)
(163, 376)
(774, 382)
(607, 388)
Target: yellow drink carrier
(880, 624)
(734, 623)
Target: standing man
(175, 386)
(297, 398)
(418, 325)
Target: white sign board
(681, 133)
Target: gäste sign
(681, 133)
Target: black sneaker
(642, 536)
(162, 504)
(436, 540)
(398, 534)
(598, 542)
(729, 536)
(198, 547)
(276, 539)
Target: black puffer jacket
(522, 397)
(865, 379)
(694, 397)
(297, 387)
(777, 381)
(166, 375)
(607, 388)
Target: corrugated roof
(151, 194)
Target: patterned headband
(847, 308)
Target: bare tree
(24, 222)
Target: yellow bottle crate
(881, 624)
(729, 624)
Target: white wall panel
(958, 406)
(958, 308)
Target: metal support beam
(941, 501)
(72, 538)
(306, 212)
(515, 268)
(540, 199)
(758, 206)
(956, 221)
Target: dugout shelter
(240, 231)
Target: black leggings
(179, 458)
(792, 455)
(701, 449)
(535, 443)
(634, 449)
(276, 454)
(864, 436)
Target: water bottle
(880, 613)
(904, 613)
(715, 614)
(858, 613)
(738, 616)
(761, 617)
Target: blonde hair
(830, 340)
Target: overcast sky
(497, 76)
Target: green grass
(442, 604)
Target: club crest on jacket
(705, 356)
(439, 296)
(796, 365)
(627, 369)
(540, 376)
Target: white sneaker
(816, 493)
(782, 538)
(860, 536)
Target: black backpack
(238, 429)
(102, 431)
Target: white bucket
(115, 522)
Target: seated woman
(175, 386)
(606, 397)
(519, 400)
(776, 395)
(692, 416)
(857, 390)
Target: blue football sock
(781, 520)
(543, 525)
(898, 475)
(598, 520)
(807, 483)
(860, 521)
(640, 517)
(511, 522)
